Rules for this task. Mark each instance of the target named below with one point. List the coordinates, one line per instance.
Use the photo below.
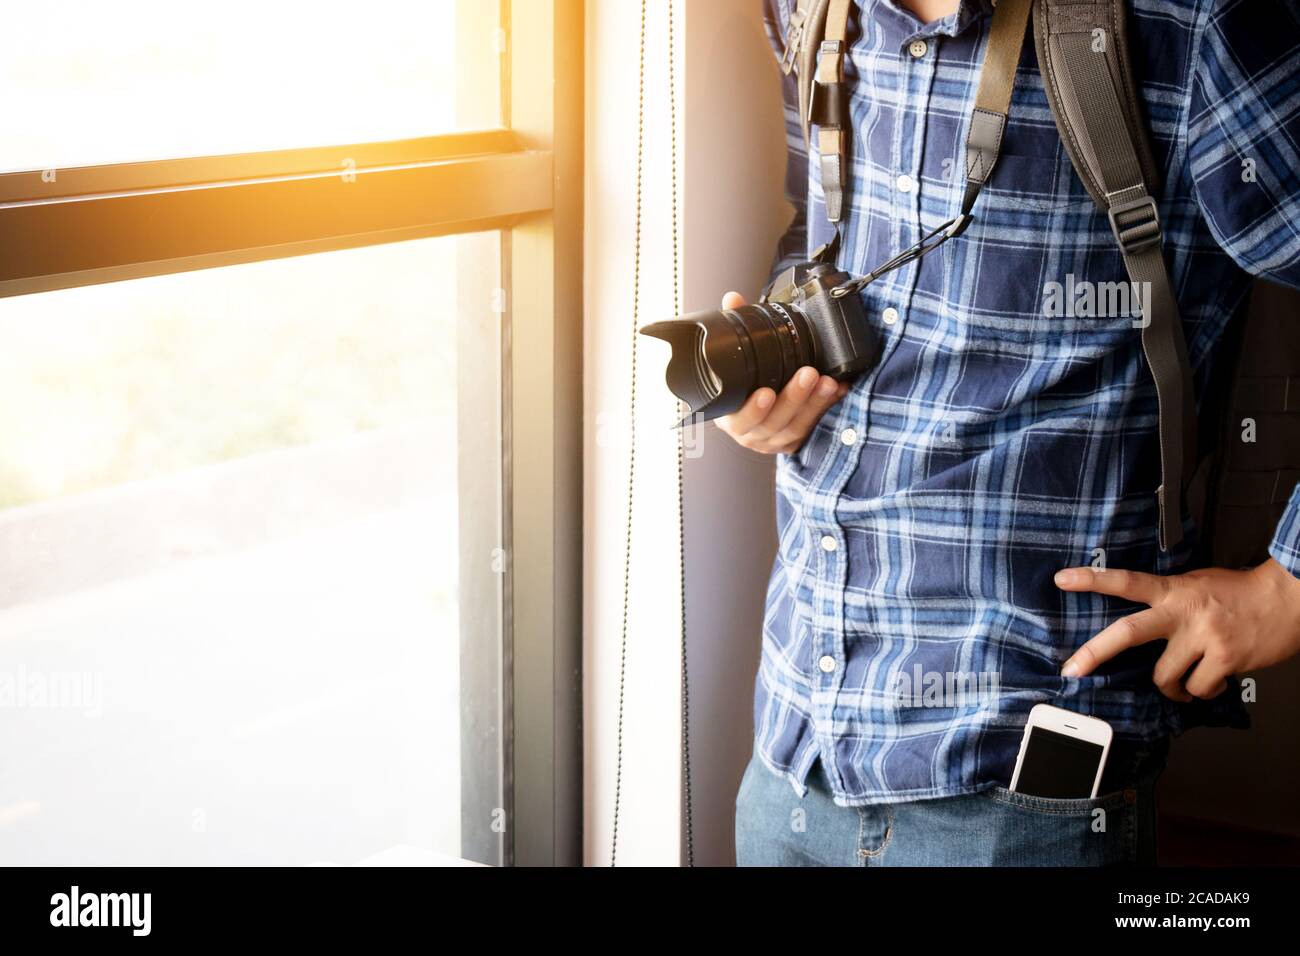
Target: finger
(792, 398)
(754, 410)
(1209, 679)
(733, 300)
(1127, 632)
(1133, 585)
(827, 393)
(1179, 657)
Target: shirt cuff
(1285, 548)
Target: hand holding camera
(769, 423)
(807, 338)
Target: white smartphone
(1062, 754)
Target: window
(95, 83)
(288, 438)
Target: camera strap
(993, 97)
(988, 122)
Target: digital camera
(722, 356)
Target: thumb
(733, 300)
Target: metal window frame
(135, 219)
(130, 220)
(545, 497)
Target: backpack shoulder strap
(1085, 62)
(1066, 32)
(814, 50)
(828, 107)
(802, 38)
(815, 47)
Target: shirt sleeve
(793, 245)
(1243, 135)
(1285, 547)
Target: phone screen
(1057, 765)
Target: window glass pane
(86, 82)
(251, 607)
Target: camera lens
(719, 358)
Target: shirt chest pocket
(1044, 181)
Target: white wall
(731, 212)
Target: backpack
(1235, 490)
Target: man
(949, 512)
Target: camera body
(720, 357)
(844, 344)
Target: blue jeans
(775, 827)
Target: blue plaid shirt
(911, 619)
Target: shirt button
(890, 315)
(918, 48)
(829, 544)
(827, 664)
(849, 436)
(905, 183)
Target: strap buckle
(827, 71)
(1135, 224)
(830, 70)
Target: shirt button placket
(825, 646)
(907, 182)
